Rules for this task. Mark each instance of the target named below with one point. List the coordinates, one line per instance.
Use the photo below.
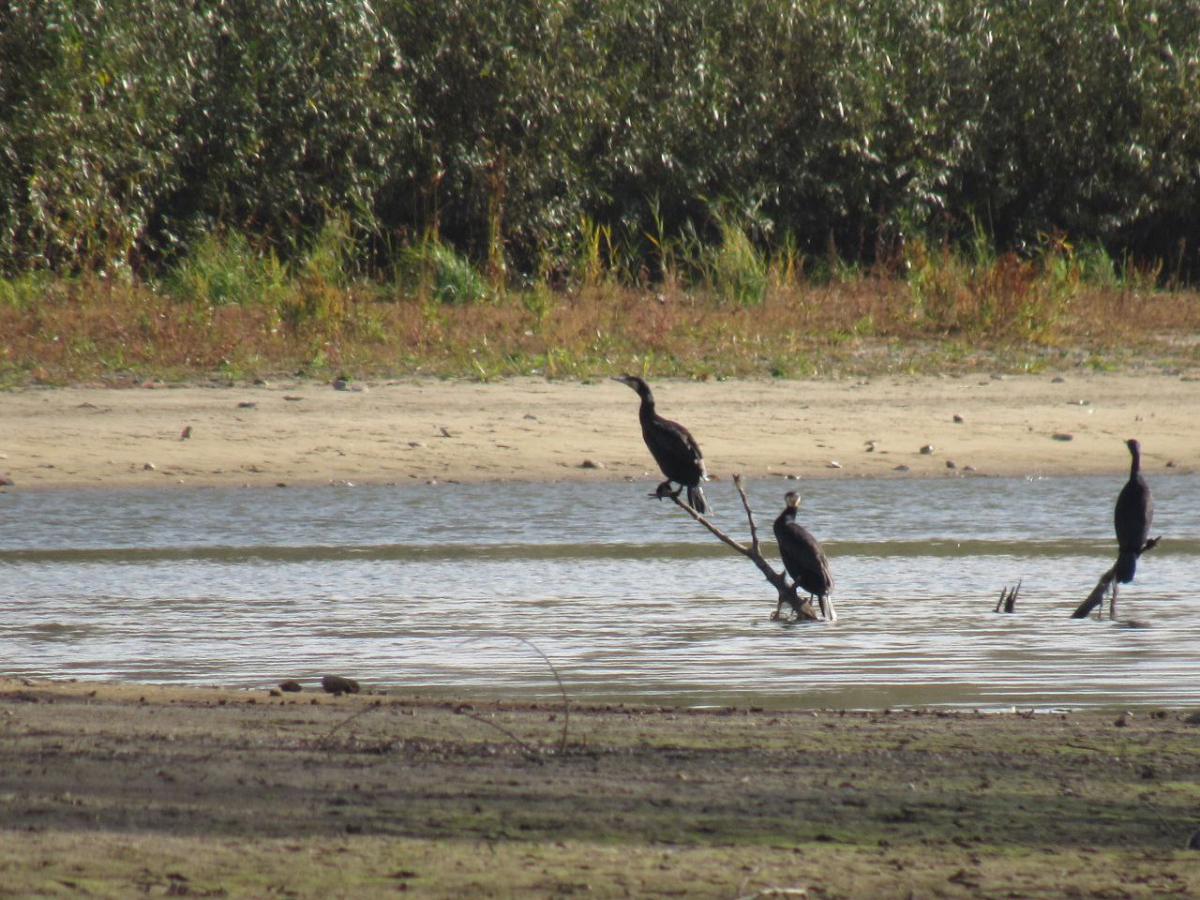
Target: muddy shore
(118, 791)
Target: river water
(436, 589)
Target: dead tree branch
(1096, 597)
(1008, 598)
(787, 592)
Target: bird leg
(663, 491)
(1112, 604)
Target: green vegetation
(478, 187)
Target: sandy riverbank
(531, 429)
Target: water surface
(420, 588)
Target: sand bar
(531, 429)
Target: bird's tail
(1126, 566)
(697, 500)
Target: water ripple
(409, 588)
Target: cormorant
(803, 557)
(1131, 518)
(672, 446)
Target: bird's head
(792, 499)
(1134, 447)
(638, 384)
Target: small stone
(341, 384)
(900, 468)
(247, 404)
(833, 464)
(871, 445)
(959, 419)
(969, 469)
(445, 432)
(1079, 403)
(186, 433)
(927, 449)
(337, 685)
(1170, 463)
(531, 417)
(1058, 379)
(950, 464)
(1062, 436)
(148, 467)
(591, 464)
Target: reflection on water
(415, 588)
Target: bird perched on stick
(803, 557)
(673, 448)
(1131, 518)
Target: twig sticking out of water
(787, 592)
(1096, 597)
(1008, 598)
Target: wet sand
(120, 791)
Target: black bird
(672, 446)
(1131, 518)
(803, 557)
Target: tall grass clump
(735, 267)
(442, 274)
(223, 269)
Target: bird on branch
(803, 557)
(673, 448)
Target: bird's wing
(673, 442)
(1133, 514)
(801, 550)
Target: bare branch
(737, 482)
(1096, 597)
(787, 592)
(1008, 598)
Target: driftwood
(1096, 597)
(1008, 598)
(803, 608)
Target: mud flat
(131, 790)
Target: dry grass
(1009, 315)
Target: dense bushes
(129, 129)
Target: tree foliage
(129, 129)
